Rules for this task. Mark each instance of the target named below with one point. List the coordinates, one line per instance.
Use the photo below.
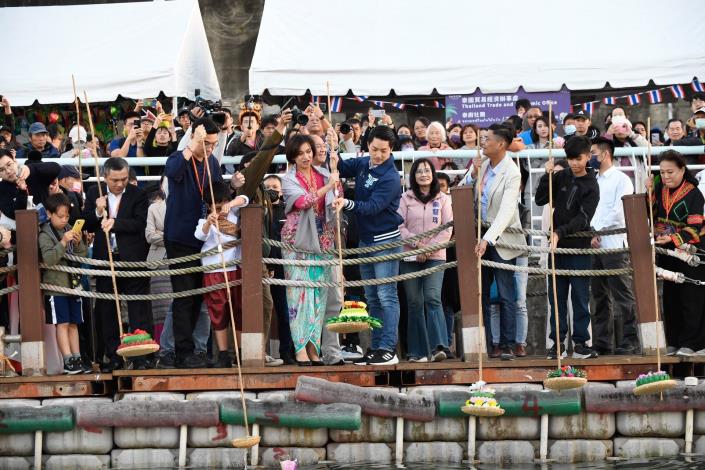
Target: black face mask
(273, 195)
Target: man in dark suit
(122, 212)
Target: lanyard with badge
(201, 183)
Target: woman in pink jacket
(425, 207)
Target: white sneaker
(439, 356)
(418, 359)
(383, 358)
(685, 352)
(351, 353)
(671, 351)
(269, 361)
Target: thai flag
(379, 104)
(316, 99)
(399, 106)
(587, 107)
(438, 104)
(634, 99)
(655, 96)
(360, 99)
(697, 86)
(610, 100)
(336, 104)
(678, 92)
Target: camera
(345, 128)
(298, 116)
(210, 108)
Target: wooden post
(465, 241)
(636, 217)
(31, 300)
(252, 339)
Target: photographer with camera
(251, 138)
(131, 144)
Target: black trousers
(185, 310)
(614, 319)
(139, 311)
(286, 345)
(683, 306)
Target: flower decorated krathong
(373, 322)
(567, 371)
(652, 377)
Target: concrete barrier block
(17, 445)
(359, 453)
(372, 429)
(143, 458)
(656, 424)
(699, 422)
(498, 429)
(78, 440)
(293, 437)
(152, 437)
(76, 462)
(699, 444)
(516, 387)
(582, 426)
(16, 463)
(507, 452)
(630, 447)
(433, 452)
(580, 450)
(440, 429)
(270, 456)
(215, 436)
(218, 457)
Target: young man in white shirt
(614, 318)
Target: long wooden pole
(105, 216)
(337, 216)
(653, 244)
(78, 132)
(480, 323)
(227, 290)
(553, 245)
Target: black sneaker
(224, 360)
(551, 354)
(580, 351)
(192, 361)
(439, 355)
(115, 363)
(507, 354)
(366, 358)
(86, 365)
(73, 365)
(627, 350)
(383, 358)
(166, 361)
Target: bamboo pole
(78, 132)
(553, 245)
(653, 246)
(480, 320)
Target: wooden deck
(453, 372)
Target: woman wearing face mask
(678, 216)
(436, 135)
(423, 208)
(405, 141)
(420, 126)
(309, 226)
(455, 140)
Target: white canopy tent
(131, 49)
(414, 46)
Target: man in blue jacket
(39, 141)
(377, 195)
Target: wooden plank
(285, 370)
(252, 304)
(51, 389)
(611, 400)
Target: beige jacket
(154, 232)
(503, 208)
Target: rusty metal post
(638, 236)
(30, 296)
(465, 241)
(253, 334)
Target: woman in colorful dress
(310, 227)
(678, 220)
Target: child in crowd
(206, 231)
(57, 237)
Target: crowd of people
(194, 209)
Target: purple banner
(485, 109)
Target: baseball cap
(183, 110)
(581, 114)
(5, 129)
(78, 134)
(700, 110)
(68, 171)
(37, 128)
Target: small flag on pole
(336, 104)
(610, 100)
(588, 107)
(634, 99)
(677, 91)
(438, 104)
(697, 86)
(655, 96)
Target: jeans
(426, 328)
(382, 300)
(521, 280)
(506, 288)
(580, 298)
(200, 333)
(449, 313)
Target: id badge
(204, 210)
